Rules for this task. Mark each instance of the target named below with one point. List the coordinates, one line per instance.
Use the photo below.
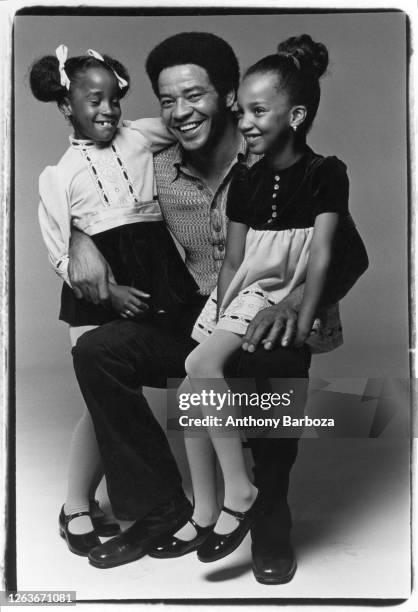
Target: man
(195, 77)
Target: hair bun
(311, 55)
(45, 80)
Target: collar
(177, 158)
(80, 143)
(262, 166)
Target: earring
(294, 128)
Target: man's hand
(127, 301)
(271, 323)
(88, 270)
(268, 325)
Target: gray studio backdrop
(361, 119)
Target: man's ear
(297, 116)
(65, 108)
(230, 98)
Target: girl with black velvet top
(284, 214)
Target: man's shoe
(273, 564)
(169, 547)
(101, 523)
(141, 537)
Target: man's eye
(259, 110)
(194, 97)
(116, 102)
(166, 103)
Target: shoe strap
(238, 515)
(70, 517)
(199, 528)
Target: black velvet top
(265, 199)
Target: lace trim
(125, 173)
(95, 175)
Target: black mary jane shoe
(102, 526)
(171, 546)
(140, 538)
(219, 545)
(78, 543)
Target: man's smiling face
(191, 107)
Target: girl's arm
(318, 266)
(55, 218)
(155, 134)
(235, 247)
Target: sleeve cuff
(61, 269)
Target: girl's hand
(302, 334)
(127, 301)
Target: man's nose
(182, 109)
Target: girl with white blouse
(104, 186)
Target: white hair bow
(62, 53)
(121, 82)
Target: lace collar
(79, 143)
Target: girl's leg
(204, 367)
(202, 463)
(84, 464)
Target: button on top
(217, 228)
(275, 187)
(200, 186)
(277, 177)
(221, 247)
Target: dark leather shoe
(273, 564)
(102, 526)
(141, 537)
(219, 545)
(79, 544)
(170, 546)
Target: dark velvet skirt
(144, 256)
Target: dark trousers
(114, 361)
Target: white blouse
(94, 188)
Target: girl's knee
(193, 364)
(199, 365)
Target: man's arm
(348, 264)
(88, 270)
(154, 132)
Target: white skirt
(274, 264)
